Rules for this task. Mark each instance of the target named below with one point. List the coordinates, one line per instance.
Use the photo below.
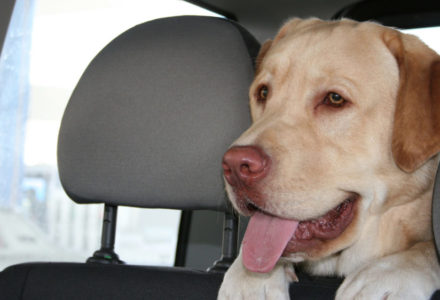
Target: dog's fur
(381, 145)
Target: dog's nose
(245, 165)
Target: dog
(337, 169)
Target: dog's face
(323, 148)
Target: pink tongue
(265, 239)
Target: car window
(48, 46)
(428, 35)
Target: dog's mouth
(269, 237)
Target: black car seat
(146, 127)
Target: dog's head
(345, 115)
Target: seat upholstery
(154, 112)
(87, 281)
(69, 281)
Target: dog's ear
(416, 132)
(263, 50)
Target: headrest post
(106, 254)
(230, 243)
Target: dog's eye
(334, 99)
(262, 93)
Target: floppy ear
(416, 133)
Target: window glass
(428, 35)
(48, 46)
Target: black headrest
(153, 113)
(397, 13)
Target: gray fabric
(152, 115)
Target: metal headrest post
(107, 255)
(229, 244)
(436, 212)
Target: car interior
(146, 127)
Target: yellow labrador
(337, 169)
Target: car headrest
(395, 13)
(152, 115)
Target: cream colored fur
(320, 154)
